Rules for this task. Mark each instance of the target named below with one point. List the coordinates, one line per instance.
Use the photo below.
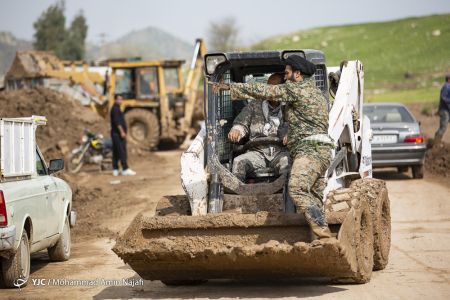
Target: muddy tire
(176, 206)
(61, 250)
(382, 231)
(364, 238)
(376, 194)
(417, 171)
(143, 128)
(18, 266)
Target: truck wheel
(382, 227)
(16, 270)
(364, 239)
(61, 250)
(143, 128)
(417, 171)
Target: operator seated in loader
(260, 120)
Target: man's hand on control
(234, 135)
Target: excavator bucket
(175, 247)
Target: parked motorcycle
(94, 149)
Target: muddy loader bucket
(178, 247)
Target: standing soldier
(444, 111)
(308, 139)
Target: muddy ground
(419, 263)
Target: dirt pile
(437, 160)
(66, 118)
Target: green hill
(404, 60)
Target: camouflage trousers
(306, 182)
(250, 161)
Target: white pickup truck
(35, 207)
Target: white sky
(189, 19)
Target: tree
(50, 32)
(74, 44)
(223, 34)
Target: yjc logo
(38, 281)
(19, 282)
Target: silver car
(397, 138)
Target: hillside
(410, 54)
(8, 47)
(148, 43)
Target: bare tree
(223, 34)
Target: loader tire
(143, 128)
(382, 234)
(364, 234)
(376, 194)
(176, 206)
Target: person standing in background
(119, 139)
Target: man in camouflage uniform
(308, 140)
(261, 119)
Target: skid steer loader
(225, 228)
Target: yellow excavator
(158, 103)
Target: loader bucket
(245, 246)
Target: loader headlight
(212, 61)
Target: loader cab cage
(237, 67)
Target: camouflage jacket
(307, 111)
(255, 121)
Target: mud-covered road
(419, 262)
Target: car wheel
(61, 250)
(417, 172)
(16, 270)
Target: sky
(257, 19)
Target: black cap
(298, 63)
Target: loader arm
(192, 83)
(349, 128)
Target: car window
(388, 114)
(40, 166)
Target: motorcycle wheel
(72, 165)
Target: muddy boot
(316, 220)
(322, 232)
